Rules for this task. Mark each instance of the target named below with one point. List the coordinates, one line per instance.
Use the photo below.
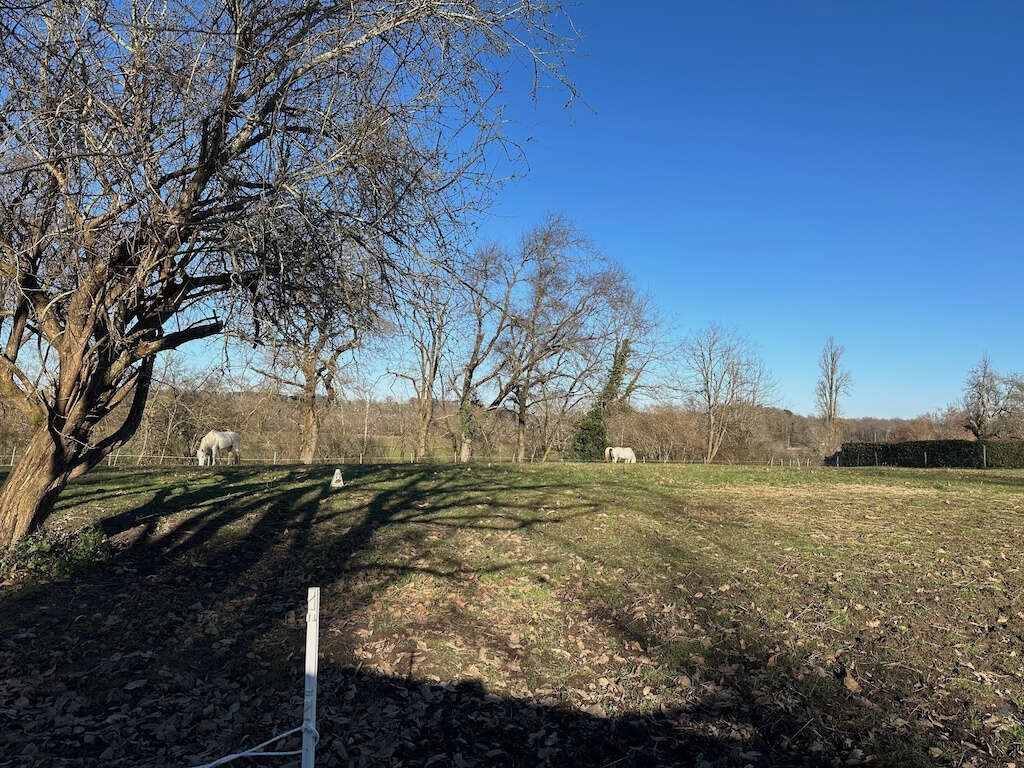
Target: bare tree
(727, 383)
(426, 324)
(833, 383)
(577, 376)
(331, 296)
(525, 320)
(1013, 421)
(144, 145)
(986, 401)
(568, 299)
(473, 363)
(626, 356)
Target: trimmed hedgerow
(1006, 454)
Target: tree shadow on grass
(189, 645)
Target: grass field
(597, 615)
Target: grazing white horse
(619, 454)
(216, 443)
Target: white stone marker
(337, 481)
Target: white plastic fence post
(309, 736)
(12, 456)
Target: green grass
(572, 614)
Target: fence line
(310, 736)
(158, 459)
(123, 459)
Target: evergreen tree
(591, 435)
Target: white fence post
(309, 734)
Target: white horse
(215, 443)
(619, 454)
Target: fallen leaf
(851, 685)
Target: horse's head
(201, 456)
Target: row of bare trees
(525, 334)
(372, 417)
(490, 333)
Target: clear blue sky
(795, 170)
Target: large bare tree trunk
(55, 457)
(32, 487)
(465, 449)
(310, 433)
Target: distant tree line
(368, 427)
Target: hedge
(1004, 454)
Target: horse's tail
(608, 454)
